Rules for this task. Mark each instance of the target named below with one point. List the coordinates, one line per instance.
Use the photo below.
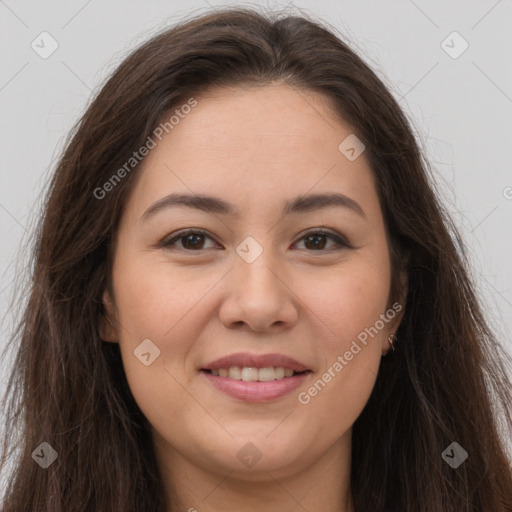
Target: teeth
(248, 374)
(235, 373)
(280, 372)
(266, 374)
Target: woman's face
(257, 285)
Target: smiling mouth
(252, 374)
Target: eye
(191, 240)
(316, 239)
(194, 240)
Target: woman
(246, 296)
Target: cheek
(153, 298)
(347, 312)
(347, 302)
(156, 303)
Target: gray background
(460, 107)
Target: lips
(292, 374)
(256, 361)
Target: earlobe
(108, 331)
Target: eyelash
(341, 242)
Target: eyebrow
(211, 204)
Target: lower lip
(256, 391)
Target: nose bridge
(257, 293)
(256, 267)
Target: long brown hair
(446, 382)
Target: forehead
(252, 146)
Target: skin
(255, 148)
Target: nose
(259, 296)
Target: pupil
(316, 244)
(196, 239)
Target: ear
(395, 313)
(108, 322)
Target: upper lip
(256, 361)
